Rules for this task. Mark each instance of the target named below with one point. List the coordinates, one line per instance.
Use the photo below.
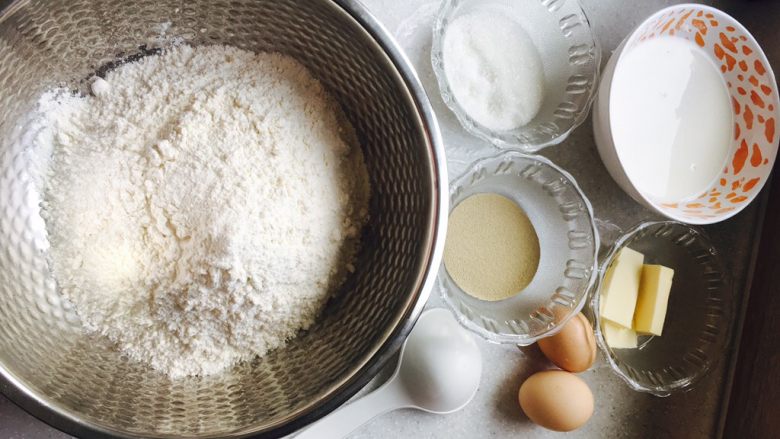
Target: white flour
(200, 206)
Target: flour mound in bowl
(201, 205)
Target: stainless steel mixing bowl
(81, 384)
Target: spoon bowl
(440, 365)
(438, 371)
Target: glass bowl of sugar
(520, 253)
(518, 73)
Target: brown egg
(573, 348)
(556, 400)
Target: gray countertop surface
(620, 412)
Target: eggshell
(573, 348)
(556, 400)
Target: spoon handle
(343, 421)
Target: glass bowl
(568, 242)
(570, 56)
(700, 315)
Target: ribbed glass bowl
(570, 56)
(700, 312)
(568, 242)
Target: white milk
(671, 118)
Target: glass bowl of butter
(521, 251)
(664, 307)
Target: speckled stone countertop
(620, 412)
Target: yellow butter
(654, 287)
(618, 337)
(621, 286)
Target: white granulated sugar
(494, 69)
(202, 205)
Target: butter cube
(653, 298)
(618, 337)
(621, 286)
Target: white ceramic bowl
(756, 111)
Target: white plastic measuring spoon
(438, 372)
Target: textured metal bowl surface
(81, 384)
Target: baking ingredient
(201, 206)
(556, 400)
(573, 348)
(99, 86)
(494, 69)
(617, 336)
(492, 250)
(651, 303)
(621, 286)
(634, 299)
(671, 118)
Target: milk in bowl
(671, 118)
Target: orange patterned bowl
(755, 111)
